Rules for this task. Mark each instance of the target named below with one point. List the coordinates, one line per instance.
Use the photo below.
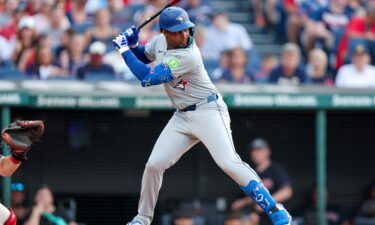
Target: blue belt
(210, 98)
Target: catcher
(19, 136)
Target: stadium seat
(211, 65)
(11, 73)
(81, 28)
(254, 59)
(99, 77)
(62, 78)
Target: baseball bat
(170, 3)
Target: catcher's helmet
(175, 19)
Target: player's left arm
(8, 165)
(162, 73)
(148, 76)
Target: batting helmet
(175, 19)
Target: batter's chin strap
(12, 219)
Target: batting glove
(132, 36)
(120, 43)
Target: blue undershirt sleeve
(139, 52)
(148, 76)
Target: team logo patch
(181, 18)
(173, 63)
(181, 84)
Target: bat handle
(171, 3)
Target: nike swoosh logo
(159, 51)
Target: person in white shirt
(224, 35)
(359, 74)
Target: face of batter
(177, 39)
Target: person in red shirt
(360, 29)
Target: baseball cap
(26, 21)
(258, 143)
(17, 187)
(97, 48)
(360, 49)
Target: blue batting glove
(132, 36)
(120, 43)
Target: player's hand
(132, 36)
(120, 43)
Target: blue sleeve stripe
(139, 52)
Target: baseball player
(19, 136)
(201, 114)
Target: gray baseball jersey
(209, 123)
(191, 83)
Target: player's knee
(12, 219)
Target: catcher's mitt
(20, 135)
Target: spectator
(237, 71)
(217, 73)
(307, 212)
(77, 15)
(265, 12)
(65, 39)
(42, 17)
(207, 51)
(59, 23)
(317, 68)
(25, 43)
(10, 29)
(18, 202)
(119, 13)
(198, 12)
(360, 30)
(273, 176)
(73, 56)
(95, 64)
(102, 30)
(367, 206)
(33, 7)
(44, 66)
(299, 16)
(329, 25)
(8, 11)
(269, 62)
(122, 70)
(182, 218)
(44, 211)
(290, 71)
(234, 219)
(224, 35)
(359, 74)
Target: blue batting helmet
(175, 19)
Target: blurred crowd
(324, 42)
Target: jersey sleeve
(150, 49)
(180, 63)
